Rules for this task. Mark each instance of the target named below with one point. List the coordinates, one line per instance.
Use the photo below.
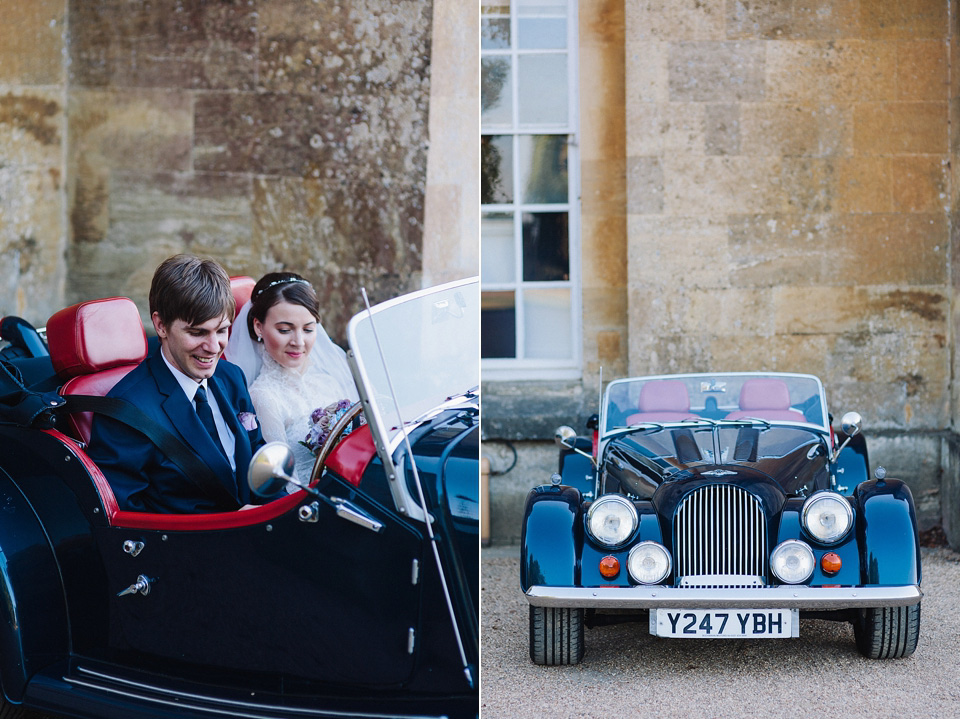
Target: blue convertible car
(719, 506)
(356, 595)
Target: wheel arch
(34, 628)
(551, 537)
(887, 533)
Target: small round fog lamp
(649, 563)
(830, 563)
(792, 561)
(609, 567)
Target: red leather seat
(92, 345)
(242, 287)
(663, 400)
(766, 398)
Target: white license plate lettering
(739, 623)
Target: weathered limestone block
(131, 129)
(338, 237)
(154, 216)
(815, 19)
(31, 256)
(31, 43)
(31, 203)
(920, 183)
(839, 249)
(900, 127)
(841, 72)
(716, 71)
(903, 18)
(714, 186)
(31, 128)
(674, 19)
(916, 460)
(166, 43)
(665, 249)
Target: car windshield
(430, 347)
(771, 398)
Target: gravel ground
(626, 672)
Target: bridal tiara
(287, 281)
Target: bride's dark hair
(280, 287)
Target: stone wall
(32, 144)
(267, 134)
(789, 205)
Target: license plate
(725, 623)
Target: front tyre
(556, 635)
(888, 632)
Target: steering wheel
(336, 434)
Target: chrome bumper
(786, 597)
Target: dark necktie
(206, 418)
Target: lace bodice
(284, 399)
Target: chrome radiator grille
(720, 530)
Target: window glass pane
(543, 168)
(546, 256)
(495, 91)
(543, 89)
(497, 258)
(542, 33)
(547, 332)
(496, 169)
(495, 34)
(498, 324)
(541, 7)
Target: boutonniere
(248, 420)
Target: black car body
(719, 506)
(358, 597)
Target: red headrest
(764, 394)
(242, 288)
(664, 395)
(96, 335)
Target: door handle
(142, 585)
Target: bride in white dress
(291, 365)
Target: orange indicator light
(609, 567)
(830, 563)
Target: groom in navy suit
(187, 389)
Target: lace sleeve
(269, 413)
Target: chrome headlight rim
(598, 505)
(643, 547)
(788, 546)
(809, 526)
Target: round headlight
(792, 561)
(827, 517)
(612, 520)
(649, 563)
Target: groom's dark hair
(192, 289)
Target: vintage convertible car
(355, 596)
(719, 506)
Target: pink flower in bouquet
(322, 421)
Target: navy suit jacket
(142, 477)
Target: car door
(327, 600)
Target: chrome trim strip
(176, 696)
(782, 597)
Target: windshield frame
(605, 435)
(440, 326)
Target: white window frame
(520, 368)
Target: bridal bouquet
(322, 420)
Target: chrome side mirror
(271, 469)
(850, 423)
(565, 437)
